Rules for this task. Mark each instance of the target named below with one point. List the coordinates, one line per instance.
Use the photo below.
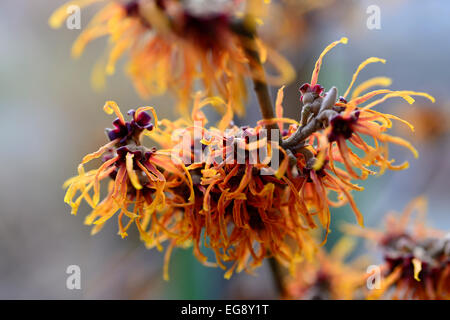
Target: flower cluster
(416, 262)
(139, 179)
(318, 143)
(245, 193)
(173, 44)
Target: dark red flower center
(342, 126)
(129, 129)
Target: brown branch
(246, 29)
(319, 119)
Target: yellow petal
(417, 268)
(131, 173)
(377, 81)
(315, 74)
(358, 70)
(111, 107)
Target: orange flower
(247, 217)
(348, 120)
(139, 179)
(318, 142)
(173, 43)
(417, 262)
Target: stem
(265, 103)
(277, 274)
(259, 82)
(322, 117)
(246, 29)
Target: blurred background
(50, 117)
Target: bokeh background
(50, 117)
